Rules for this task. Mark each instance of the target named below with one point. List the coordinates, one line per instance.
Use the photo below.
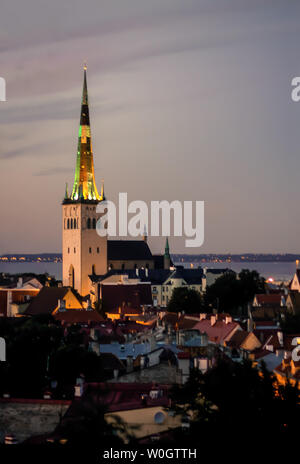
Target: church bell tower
(84, 252)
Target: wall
(162, 374)
(143, 419)
(82, 239)
(25, 418)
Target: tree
(86, 426)
(231, 292)
(185, 300)
(235, 399)
(290, 324)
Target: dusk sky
(189, 100)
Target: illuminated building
(84, 252)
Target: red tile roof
(237, 338)
(115, 295)
(217, 332)
(77, 316)
(268, 298)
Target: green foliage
(236, 398)
(185, 300)
(290, 324)
(72, 360)
(37, 351)
(87, 426)
(231, 293)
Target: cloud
(53, 171)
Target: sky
(189, 100)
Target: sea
(279, 271)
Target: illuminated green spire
(84, 187)
(167, 248)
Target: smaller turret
(167, 258)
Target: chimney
(213, 319)
(228, 319)
(280, 337)
(137, 271)
(61, 305)
(250, 325)
(20, 282)
(152, 342)
(89, 305)
(146, 272)
(129, 363)
(202, 316)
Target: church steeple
(84, 187)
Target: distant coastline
(177, 257)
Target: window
(68, 250)
(94, 223)
(154, 289)
(123, 266)
(163, 289)
(71, 276)
(163, 297)
(93, 269)
(98, 250)
(74, 250)
(89, 223)
(90, 250)
(68, 224)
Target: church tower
(84, 252)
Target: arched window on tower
(94, 269)
(68, 224)
(89, 223)
(71, 276)
(94, 223)
(71, 223)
